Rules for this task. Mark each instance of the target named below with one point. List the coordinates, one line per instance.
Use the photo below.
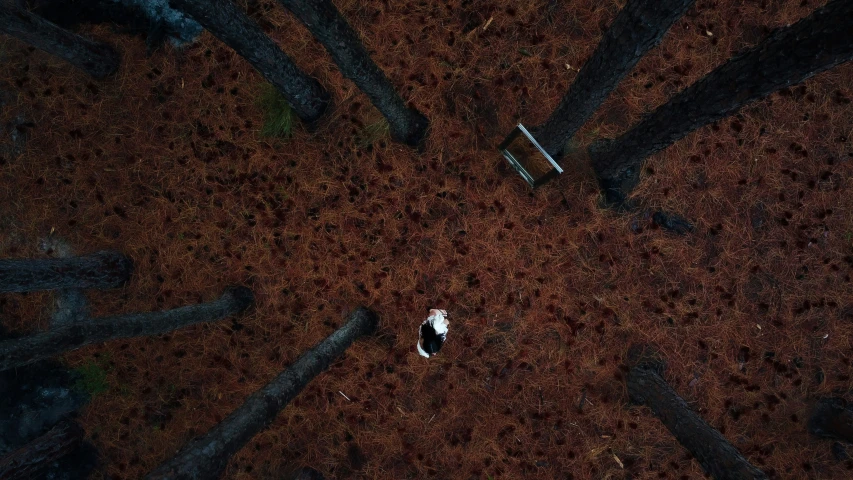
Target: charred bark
(638, 28)
(25, 350)
(234, 28)
(97, 59)
(70, 304)
(36, 457)
(718, 457)
(323, 20)
(33, 399)
(832, 418)
(206, 457)
(153, 19)
(105, 269)
(790, 55)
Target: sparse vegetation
(93, 378)
(372, 133)
(279, 118)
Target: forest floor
(546, 291)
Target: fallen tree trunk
(206, 457)
(105, 269)
(329, 27)
(31, 460)
(233, 27)
(832, 418)
(70, 304)
(97, 59)
(639, 27)
(22, 351)
(789, 55)
(718, 457)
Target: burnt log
(97, 59)
(323, 20)
(788, 56)
(70, 304)
(152, 19)
(639, 27)
(719, 458)
(25, 350)
(104, 269)
(233, 27)
(207, 456)
(36, 457)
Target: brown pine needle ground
(166, 162)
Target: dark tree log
(21, 351)
(790, 55)
(97, 59)
(718, 457)
(407, 125)
(152, 19)
(638, 28)
(206, 457)
(233, 27)
(104, 269)
(33, 459)
(69, 304)
(832, 418)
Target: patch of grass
(93, 378)
(584, 139)
(592, 136)
(371, 133)
(279, 118)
